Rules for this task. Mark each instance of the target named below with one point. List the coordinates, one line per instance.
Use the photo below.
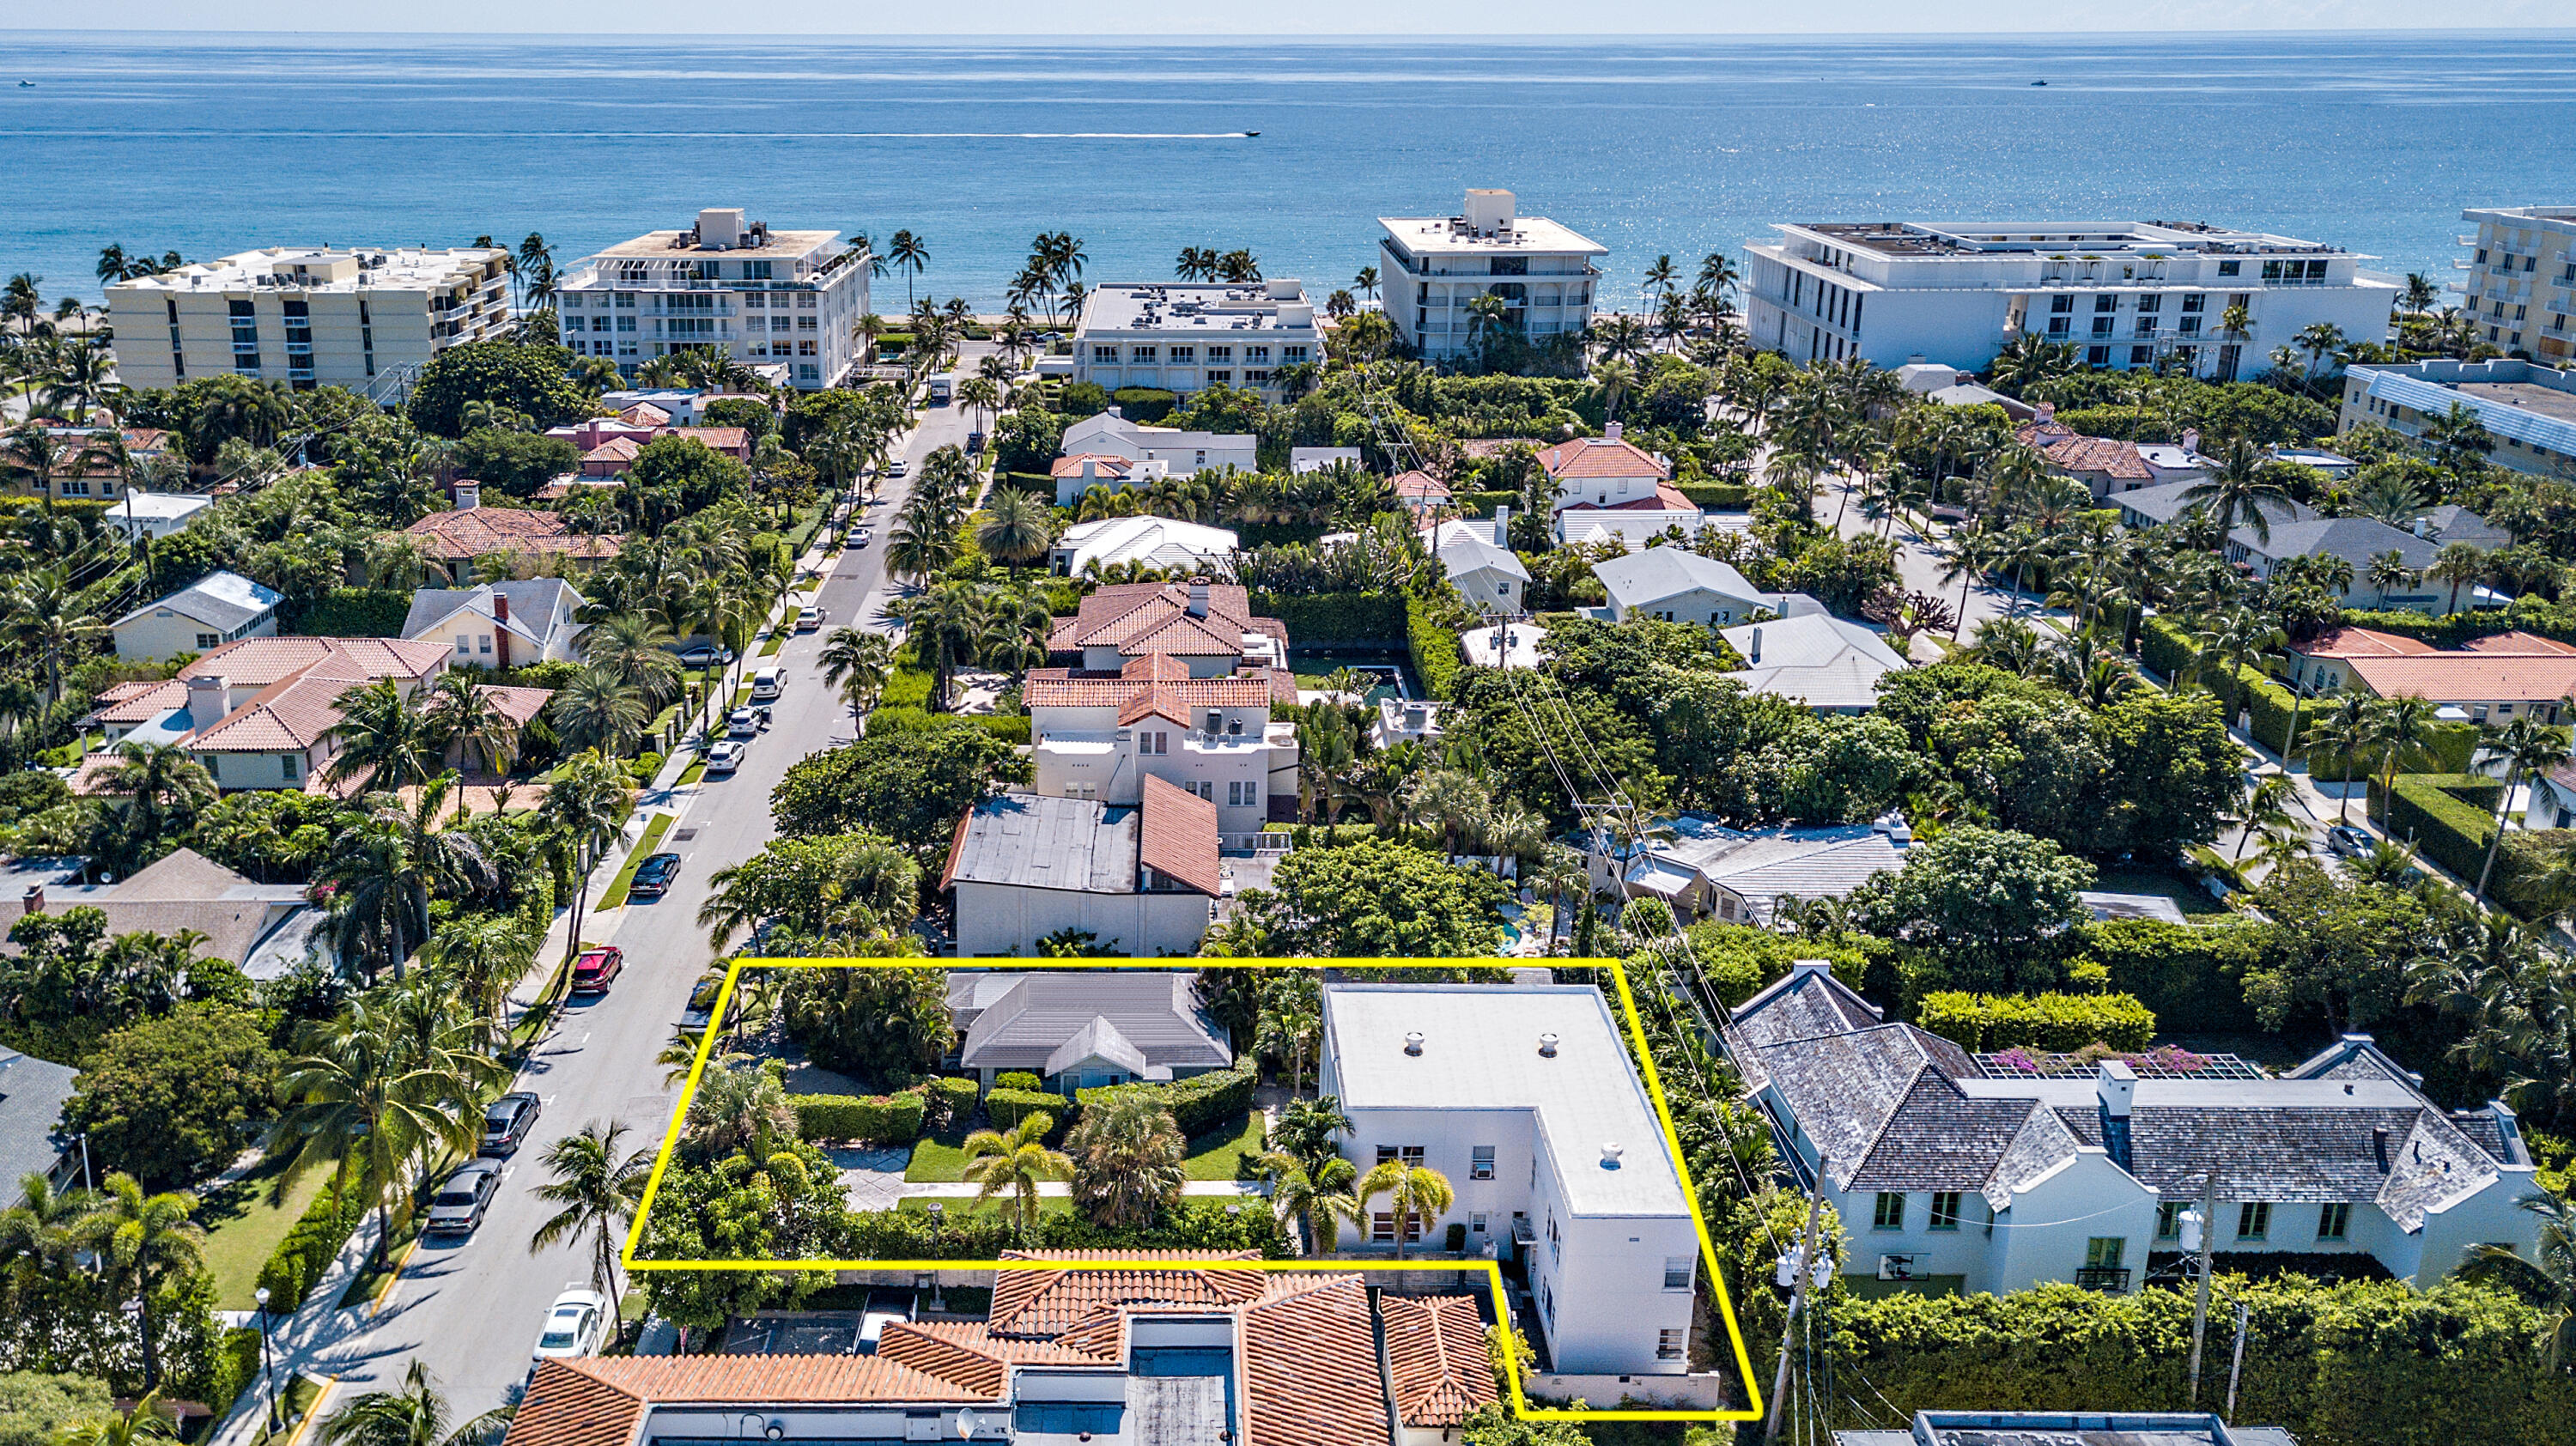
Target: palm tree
(1013, 1164)
(2527, 746)
(2341, 732)
(599, 1191)
(585, 806)
(1415, 1192)
(2396, 726)
(1017, 528)
(910, 256)
(1614, 378)
(461, 715)
(2458, 563)
(1319, 1198)
(165, 789)
(2237, 493)
(1366, 281)
(2266, 810)
(1130, 1160)
(943, 625)
(381, 737)
(2388, 572)
(2232, 643)
(415, 1415)
(600, 712)
(2420, 293)
(485, 955)
(2550, 1277)
(142, 1424)
(142, 1243)
(635, 648)
(857, 663)
(386, 864)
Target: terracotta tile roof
(645, 414)
(1419, 484)
(1155, 667)
(1600, 457)
(732, 441)
(2519, 645)
(969, 1353)
(1667, 498)
(615, 449)
(519, 705)
(1178, 836)
(601, 1401)
(461, 536)
(1436, 1346)
(138, 702)
(1121, 611)
(1310, 1368)
(287, 716)
(2076, 452)
(2471, 677)
(1035, 1300)
(258, 662)
(1067, 688)
(1154, 702)
(2360, 643)
(1111, 468)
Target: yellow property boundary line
(1493, 1269)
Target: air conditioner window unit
(1898, 1267)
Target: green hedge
(2369, 1363)
(885, 1119)
(2056, 1022)
(1336, 619)
(2171, 651)
(1144, 405)
(1481, 504)
(1006, 1108)
(1723, 496)
(906, 687)
(1436, 659)
(2191, 975)
(309, 1247)
(1009, 727)
(2451, 816)
(1018, 1079)
(349, 612)
(953, 1099)
(1198, 1104)
(957, 1234)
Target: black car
(653, 876)
(506, 1122)
(974, 442)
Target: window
(1107, 354)
(1945, 1210)
(2058, 304)
(2102, 325)
(1292, 353)
(2140, 356)
(464, 643)
(1677, 1272)
(1889, 1212)
(208, 640)
(1256, 353)
(2153, 301)
(2253, 1220)
(1382, 1227)
(1240, 793)
(1670, 1343)
(1219, 378)
(2230, 268)
(2103, 1252)
(286, 767)
(1412, 1155)
(1141, 353)
(2334, 1221)
(2169, 1220)
(1185, 353)
(1480, 1163)
(1476, 1222)
(2194, 301)
(2107, 302)
(1385, 1154)
(2060, 325)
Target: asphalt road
(471, 1308)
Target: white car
(577, 1326)
(725, 757)
(810, 618)
(742, 722)
(767, 684)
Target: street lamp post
(267, 1374)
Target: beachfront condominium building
(2521, 285)
(781, 301)
(2207, 300)
(1180, 336)
(1523, 1097)
(359, 317)
(2527, 409)
(1431, 268)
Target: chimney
(1413, 1042)
(206, 705)
(2117, 1086)
(2044, 413)
(1119, 413)
(1547, 1046)
(2191, 439)
(1611, 433)
(469, 494)
(1756, 655)
(1198, 597)
(33, 901)
(501, 628)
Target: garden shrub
(1436, 659)
(2192, 976)
(1017, 1079)
(1006, 1108)
(349, 612)
(952, 1100)
(2060, 1023)
(1198, 1104)
(2450, 817)
(1720, 496)
(1012, 728)
(1481, 504)
(1143, 405)
(1337, 619)
(957, 1234)
(309, 1247)
(1738, 960)
(885, 1119)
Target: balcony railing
(2111, 1279)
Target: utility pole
(2200, 1308)
(2236, 1367)
(1797, 1301)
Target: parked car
(898, 468)
(742, 723)
(811, 617)
(706, 655)
(592, 972)
(2348, 842)
(576, 1326)
(859, 537)
(507, 1120)
(725, 757)
(974, 443)
(767, 684)
(459, 1204)
(701, 1008)
(653, 876)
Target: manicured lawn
(2190, 896)
(693, 773)
(1213, 1155)
(242, 1228)
(939, 1157)
(959, 1209)
(654, 828)
(777, 640)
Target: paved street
(471, 1309)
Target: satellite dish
(966, 1424)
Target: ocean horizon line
(1587, 37)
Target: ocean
(212, 144)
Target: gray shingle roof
(2354, 539)
(1643, 578)
(1844, 1088)
(1031, 841)
(32, 1092)
(1154, 1015)
(2165, 502)
(221, 600)
(534, 605)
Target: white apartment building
(783, 299)
(1431, 267)
(1181, 336)
(2521, 284)
(357, 317)
(2527, 409)
(1522, 1095)
(2129, 293)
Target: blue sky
(1308, 17)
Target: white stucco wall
(995, 919)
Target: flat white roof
(164, 506)
(402, 267)
(1480, 1052)
(1450, 236)
(1196, 307)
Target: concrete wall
(1001, 919)
(165, 633)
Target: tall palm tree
(1319, 1198)
(1366, 281)
(2232, 643)
(2341, 732)
(416, 1414)
(1010, 1165)
(943, 625)
(165, 788)
(51, 621)
(857, 663)
(461, 715)
(1129, 1160)
(1413, 1191)
(599, 1190)
(2265, 810)
(484, 956)
(2527, 746)
(1017, 528)
(636, 648)
(141, 1243)
(583, 808)
(2396, 727)
(600, 712)
(381, 737)
(2458, 563)
(910, 256)
(388, 862)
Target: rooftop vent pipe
(1547, 1046)
(1610, 1154)
(1413, 1042)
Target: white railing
(1253, 843)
